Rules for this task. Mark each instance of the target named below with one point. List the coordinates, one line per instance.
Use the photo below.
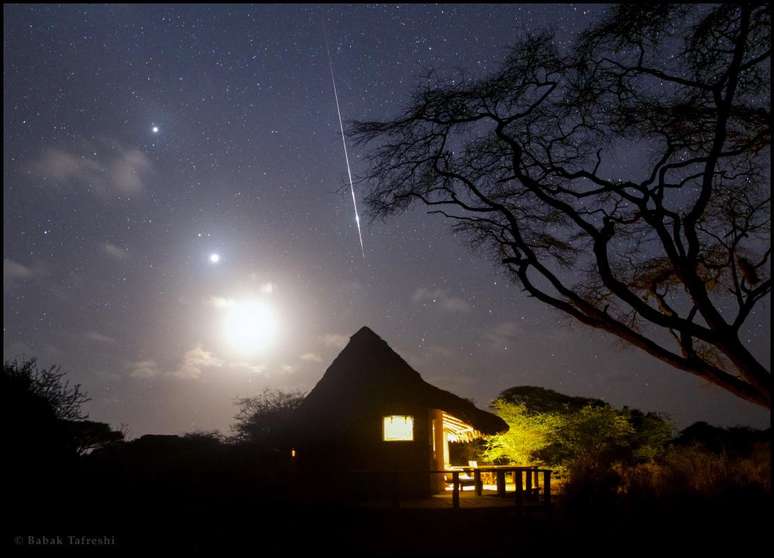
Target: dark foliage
(542, 400)
(88, 435)
(266, 420)
(734, 441)
(45, 384)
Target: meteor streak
(343, 141)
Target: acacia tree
(672, 256)
(265, 420)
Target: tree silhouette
(43, 414)
(88, 435)
(266, 419)
(672, 257)
(47, 384)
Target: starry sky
(139, 140)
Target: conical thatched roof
(369, 376)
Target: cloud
(335, 340)
(107, 169)
(311, 357)
(193, 365)
(143, 369)
(114, 251)
(15, 272)
(442, 298)
(194, 362)
(253, 368)
(439, 351)
(503, 335)
(220, 302)
(430, 355)
(98, 337)
(127, 170)
(61, 165)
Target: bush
(266, 420)
(566, 433)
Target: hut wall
(356, 450)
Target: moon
(155, 129)
(214, 258)
(249, 326)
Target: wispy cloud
(502, 335)
(335, 340)
(106, 169)
(311, 357)
(143, 369)
(442, 298)
(194, 362)
(220, 302)
(99, 338)
(193, 365)
(114, 251)
(15, 272)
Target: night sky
(141, 140)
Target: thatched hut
(372, 412)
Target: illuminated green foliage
(592, 435)
(527, 435)
(548, 428)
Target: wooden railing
(532, 484)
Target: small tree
(527, 435)
(265, 420)
(88, 435)
(46, 384)
(45, 410)
(566, 432)
(594, 437)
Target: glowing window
(398, 428)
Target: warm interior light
(398, 428)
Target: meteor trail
(343, 141)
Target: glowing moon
(249, 326)
(214, 258)
(155, 129)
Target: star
(155, 129)
(214, 258)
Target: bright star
(155, 129)
(214, 258)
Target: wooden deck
(468, 500)
(529, 491)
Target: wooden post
(456, 489)
(537, 481)
(479, 484)
(519, 487)
(529, 482)
(547, 491)
(501, 483)
(395, 490)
